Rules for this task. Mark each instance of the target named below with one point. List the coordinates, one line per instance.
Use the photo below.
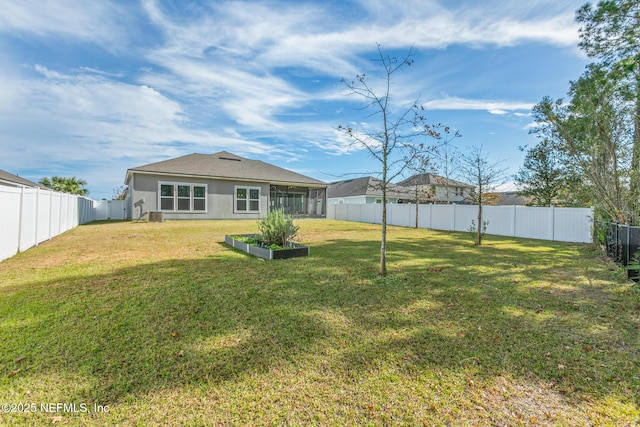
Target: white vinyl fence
(29, 216)
(561, 224)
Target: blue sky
(92, 88)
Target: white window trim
(191, 196)
(248, 188)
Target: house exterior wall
(441, 193)
(144, 197)
(348, 199)
(358, 200)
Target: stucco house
(364, 190)
(436, 188)
(221, 186)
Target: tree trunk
(479, 231)
(417, 206)
(383, 243)
(479, 228)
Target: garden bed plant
(275, 240)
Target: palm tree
(71, 185)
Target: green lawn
(162, 324)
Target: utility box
(156, 216)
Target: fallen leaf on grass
(21, 359)
(56, 419)
(587, 348)
(13, 373)
(174, 334)
(438, 268)
(561, 367)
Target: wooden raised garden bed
(293, 251)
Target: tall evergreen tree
(611, 34)
(542, 176)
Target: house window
(247, 199)
(378, 200)
(183, 197)
(199, 198)
(166, 197)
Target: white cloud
(533, 125)
(254, 36)
(433, 24)
(101, 22)
(227, 75)
(85, 117)
(494, 107)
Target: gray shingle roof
(15, 179)
(227, 166)
(365, 186)
(432, 179)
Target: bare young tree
(390, 138)
(446, 156)
(475, 167)
(420, 166)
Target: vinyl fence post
(37, 207)
(513, 221)
(20, 218)
(553, 223)
(60, 214)
(454, 217)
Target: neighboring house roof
(224, 165)
(7, 178)
(508, 198)
(432, 179)
(365, 186)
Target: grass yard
(162, 324)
